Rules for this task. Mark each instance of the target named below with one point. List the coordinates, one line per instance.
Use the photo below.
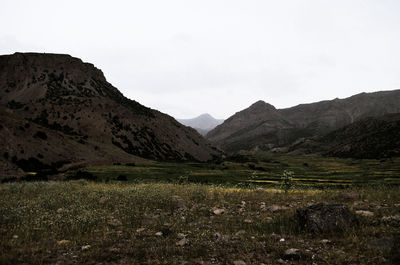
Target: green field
(262, 170)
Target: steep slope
(55, 109)
(261, 126)
(203, 123)
(368, 138)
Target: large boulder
(325, 218)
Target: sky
(190, 57)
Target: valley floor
(80, 222)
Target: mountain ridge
(55, 109)
(272, 129)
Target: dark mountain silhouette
(55, 110)
(261, 126)
(377, 137)
(203, 123)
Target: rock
(180, 203)
(114, 222)
(180, 235)
(182, 242)
(218, 211)
(393, 220)
(325, 241)
(239, 262)
(158, 234)
(140, 230)
(15, 237)
(325, 218)
(383, 244)
(281, 261)
(60, 210)
(348, 196)
(63, 242)
(365, 213)
(248, 221)
(292, 254)
(240, 232)
(86, 247)
(275, 208)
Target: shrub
(83, 175)
(287, 180)
(122, 178)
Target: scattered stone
(60, 210)
(248, 221)
(217, 236)
(275, 208)
(15, 237)
(239, 262)
(268, 219)
(325, 241)
(393, 220)
(140, 230)
(86, 247)
(240, 232)
(282, 240)
(63, 242)
(114, 222)
(159, 234)
(348, 196)
(218, 211)
(182, 242)
(383, 244)
(292, 254)
(115, 250)
(365, 213)
(281, 261)
(181, 203)
(181, 235)
(325, 218)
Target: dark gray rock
(325, 218)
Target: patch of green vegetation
(263, 170)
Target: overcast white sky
(188, 57)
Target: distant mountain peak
(203, 123)
(261, 105)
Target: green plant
(287, 180)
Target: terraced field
(260, 170)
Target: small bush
(83, 175)
(287, 180)
(122, 178)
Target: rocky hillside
(55, 110)
(264, 127)
(368, 138)
(203, 123)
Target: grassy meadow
(192, 213)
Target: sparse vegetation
(86, 222)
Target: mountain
(57, 110)
(203, 123)
(262, 126)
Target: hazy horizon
(187, 58)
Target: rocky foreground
(82, 222)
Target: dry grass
(84, 222)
